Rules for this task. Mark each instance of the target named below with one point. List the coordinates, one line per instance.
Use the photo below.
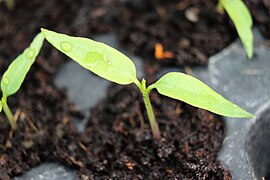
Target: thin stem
(149, 109)
(9, 114)
(220, 7)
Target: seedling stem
(13, 78)
(8, 114)
(145, 93)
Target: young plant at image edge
(114, 66)
(9, 3)
(15, 74)
(242, 20)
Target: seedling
(15, 74)
(114, 66)
(242, 20)
(9, 3)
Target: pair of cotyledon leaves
(114, 66)
(242, 20)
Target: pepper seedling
(114, 66)
(15, 74)
(242, 20)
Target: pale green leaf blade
(242, 20)
(17, 70)
(1, 106)
(10, 4)
(97, 57)
(192, 91)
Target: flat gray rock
(48, 171)
(246, 83)
(246, 147)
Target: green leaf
(1, 106)
(97, 57)
(242, 20)
(10, 4)
(192, 91)
(17, 70)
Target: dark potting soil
(44, 118)
(117, 142)
(260, 10)
(122, 147)
(192, 30)
(43, 113)
(17, 27)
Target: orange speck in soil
(130, 165)
(160, 54)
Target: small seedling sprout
(114, 66)
(15, 74)
(9, 3)
(242, 20)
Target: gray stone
(258, 144)
(245, 151)
(246, 83)
(83, 88)
(48, 171)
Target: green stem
(220, 6)
(149, 109)
(9, 114)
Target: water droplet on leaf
(65, 46)
(30, 53)
(107, 60)
(97, 61)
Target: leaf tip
(250, 54)
(44, 31)
(246, 114)
(251, 115)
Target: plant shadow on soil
(115, 142)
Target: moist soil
(192, 30)
(43, 113)
(117, 141)
(44, 118)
